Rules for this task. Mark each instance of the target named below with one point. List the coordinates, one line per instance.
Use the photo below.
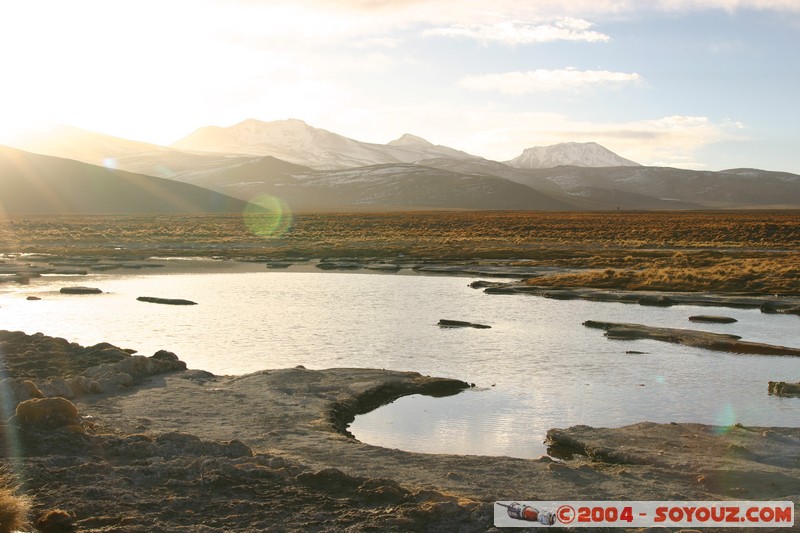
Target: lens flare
(163, 171)
(12, 449)
(110, 162)
(725, 419)
(267, 216)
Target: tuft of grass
(14, 508)
(56, 521)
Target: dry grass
(451, 234)
(13, 508)
(730, 251)
(775, 275)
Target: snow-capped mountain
(315, 169)
(572, 154)
(296, 142)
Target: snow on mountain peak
(589, 154)
(410, 140)
(295, 141)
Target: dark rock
(339, 265)
(780, 307)
(165, 301)
(278, 264)
(138, 266)
(500, 290)
(461, 324)
(33, 298)
(104, 267)
(80, 290)
(164, 355)
(483, 284)
(782, 388)
(561, 295)
(689, 337)
(387, 267)
(713, 319)
(658, 300)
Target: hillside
(376, 187)
(37, 184)
(706, 189)
(124, 154)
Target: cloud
(729, 5)
(517, 32)
(444, 13)
(541, 80)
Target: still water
(536, 368)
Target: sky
(699, 84)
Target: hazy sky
(705, 84)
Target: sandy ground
(300, 414)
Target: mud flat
(720, 342)
(767, 304)
(185, 450)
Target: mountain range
(297, 142)
(313, 169)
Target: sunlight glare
(267, 216)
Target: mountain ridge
(39, 184)
(589, 154)
(410, 171)
(297, 142)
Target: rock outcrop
(445, 323)
(39, 366)
(80, 290)
(688, 337)
(713, 319)
(782, 388)
(165, 301)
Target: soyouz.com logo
(643, 514)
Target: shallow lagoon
(537, 368)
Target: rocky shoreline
(169, 449)
(770, 304)
(720, 342)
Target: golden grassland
(752, 251)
